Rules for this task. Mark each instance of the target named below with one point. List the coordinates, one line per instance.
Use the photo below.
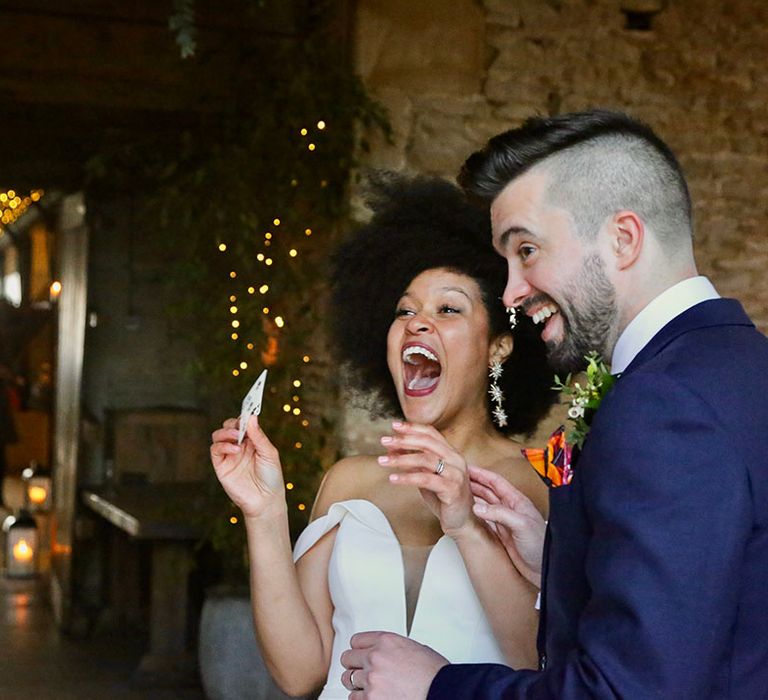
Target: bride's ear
(501, 348)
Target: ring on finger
(354, 685)
(440, 466)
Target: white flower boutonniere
(585, 400)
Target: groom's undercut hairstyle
(598, 162)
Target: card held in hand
(251, 404)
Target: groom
(656, 555)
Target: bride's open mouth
(421, 370)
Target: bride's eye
(448, 309)
(403, 312)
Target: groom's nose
(517, 289)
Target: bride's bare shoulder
(515, 468)
(348, 478)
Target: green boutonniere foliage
(585, 399)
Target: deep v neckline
(389, 530)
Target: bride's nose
(419, 323)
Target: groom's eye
(525, 251)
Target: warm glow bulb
(55, 289)
(22, 551)
(303, 132)
(249, 346)
(305, 423)
(305, 358)
(265, 310)
(293, 252)
(233, 298)
(251, 290)
(276, 222)
(289, 486)
(321, 125)
(233, 274)
(235, 324)
(222, 247)
(301, 506)
(286, 408)
(297, 383)
(37, 494)
(264, 288)
(236, 372)
(295, 398)
(268, 235)
(296, 411)
(311, 147)
(260, 257)
(233, 309)
(268, 261)
(234, 336)
(233, 520)
(243, 365)
(307, 231)
(297, 445)
(279, 321)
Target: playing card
(251, 403)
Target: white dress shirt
(657, 314)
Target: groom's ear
(627, 232)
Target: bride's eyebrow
(457, 289)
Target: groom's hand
(514, 519)
(384, 665)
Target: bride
(393, 544)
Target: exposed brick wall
(698, 77)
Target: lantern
(37, 490)
(21, 547)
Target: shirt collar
(657, 314)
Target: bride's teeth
(418, 350)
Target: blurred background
(173, 177)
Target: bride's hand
(414, 452)
(250, 472)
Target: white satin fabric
(366, 581)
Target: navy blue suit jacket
(656, 573)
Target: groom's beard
(589, 313)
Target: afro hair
(419, 224)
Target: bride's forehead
(438, 279)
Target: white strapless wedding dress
(366, 579)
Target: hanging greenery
(245, 208)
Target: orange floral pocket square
(553, 463)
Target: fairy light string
(256, 296)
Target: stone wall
(454, 72)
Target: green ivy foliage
(222, 184)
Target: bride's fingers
(446, 489)
(421, 442)
(411, 460)
(225, 435)
(426, 435)
(231, 422)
